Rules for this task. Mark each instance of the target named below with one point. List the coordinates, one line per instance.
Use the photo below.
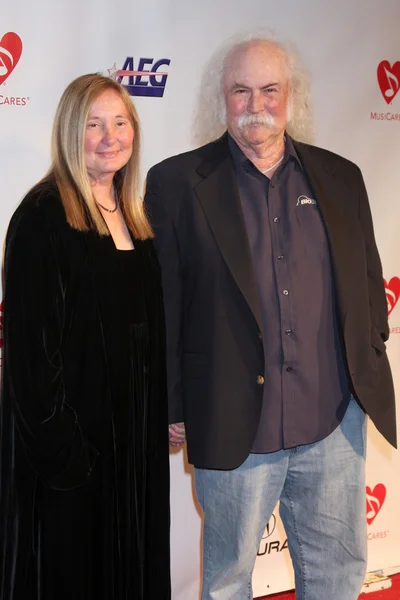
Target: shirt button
(285, 293)
(276, 220)
(260, 336)
(288, 369)
(280, 257)
(272, 185)
(288, 331)
(260, 379)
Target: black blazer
(215, 349)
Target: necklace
(109, 210)
(278, 162)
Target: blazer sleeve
(47, 426)
(166, 241)
(376, 287)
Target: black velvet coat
(79, 518)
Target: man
(276, 322)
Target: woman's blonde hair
(68, 167)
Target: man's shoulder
(189, 161)
(325, 158)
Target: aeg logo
(147, 80)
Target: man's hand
(177, 434)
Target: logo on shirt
(305, 200)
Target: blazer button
(260, 379)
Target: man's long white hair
(210, 117)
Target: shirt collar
(242, 162)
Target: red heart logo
(392, 289)
(10, 53)
(389, 79)
(375, 500)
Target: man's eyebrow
(238, 85)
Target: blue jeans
(321, 488)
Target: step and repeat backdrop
(352, 50)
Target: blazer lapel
(219, 197)
(330, 193)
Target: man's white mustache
(248, 120)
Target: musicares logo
(389, 84)
(392, 289)
(389, 80)
(10, 53)
(375, 500)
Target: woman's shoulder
(43, 200)
(40, 208)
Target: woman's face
(108, 137)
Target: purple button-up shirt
(306, 389)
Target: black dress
(84, 511)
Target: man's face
(256, 90)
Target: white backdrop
(342, 42)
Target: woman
(84, 508)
